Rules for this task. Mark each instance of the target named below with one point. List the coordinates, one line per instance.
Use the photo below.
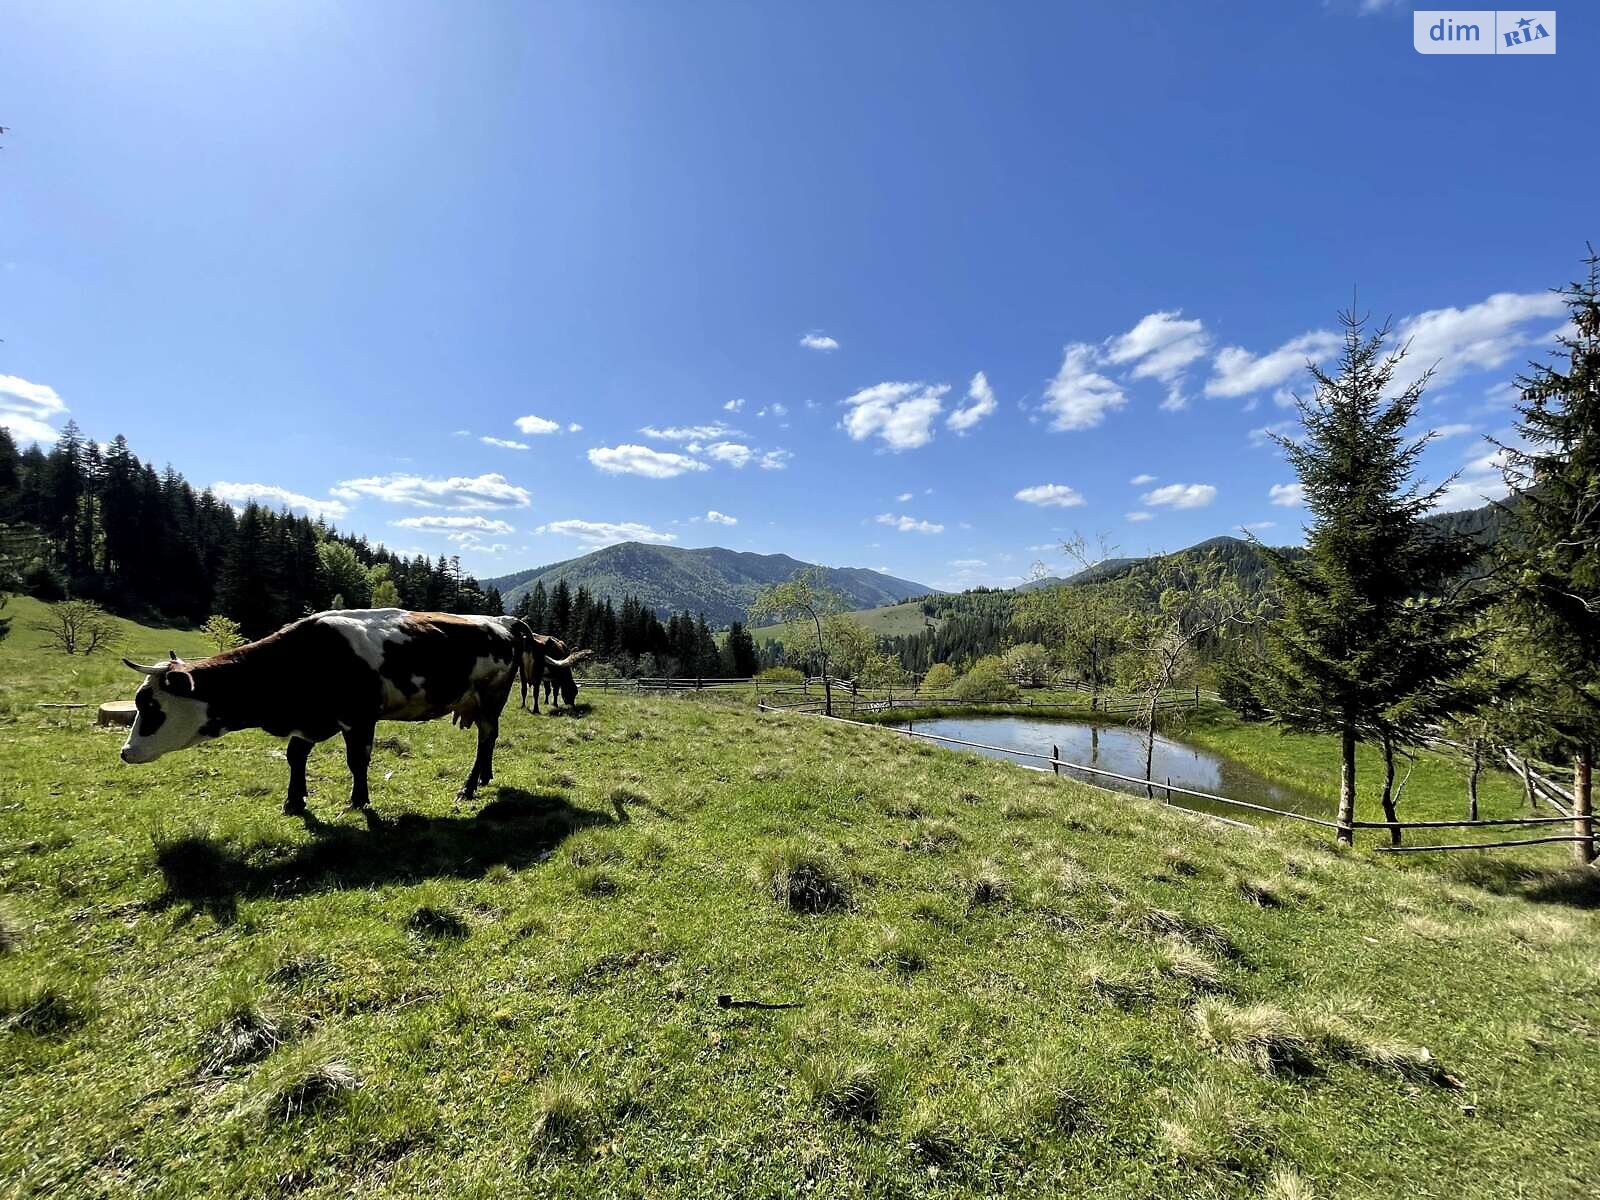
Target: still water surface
(1120, 749)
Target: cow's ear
(178, 681)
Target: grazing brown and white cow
(336, 672)
(547, 663)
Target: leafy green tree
(1364, 648)
(1086, 627)
(1029, 664)
(386, 595)
(223, 631)
(987, 680)
(940, 677)
(344, 575)
(805, 597)
(1552, 565)
(849, 643)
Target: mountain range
(718, 582)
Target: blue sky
(915, 287)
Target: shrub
(987, 680)
(940, 678)
(223, 631)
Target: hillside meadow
(993, 980)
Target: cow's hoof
(358, 802)
(294, 806)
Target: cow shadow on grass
(516, 829)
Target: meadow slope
(1003, 981)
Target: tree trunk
(1150, 744)
(1387, 798)
(1347, 787)
(1583, 803)
(1472, 780)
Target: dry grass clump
(432, 922)
(766, 772)
(1126, 990)
(1164, 923)
(898, 953)
(596, 882)
(562, 779)
(1022, 810)
(1259, 892)
(1274, 1041)
(245, 1032)
(930, 1133)
(987, 888)
(1213, 1132)
(847, 1089)
(394, 744)
(294, 1084)
(1181, 961)
(1285, 1183)
(565, 1119)
(1042, 1100)
(805, 881)
(932, 837)
(1176, 863)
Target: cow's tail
(521, 644)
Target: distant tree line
(96, 523)
(632, 640)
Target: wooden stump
(116, 712)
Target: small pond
(1121, 749)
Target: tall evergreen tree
(1554, 561)
(1365, 649)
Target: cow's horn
(577, 656)
(158, 669)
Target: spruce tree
(1552, 560)
(1373, 635)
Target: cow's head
(169, 715)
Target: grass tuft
(1181, 961)
(42, 1007)
(10, 931)
(899, 953)
(987, 888)
(565, 1118)
(1164, 923)
(296, 1084)
(432, 922)
(1212, 1132)
(246, 1032)
(596, 882)
(1285, 1183)
(803, 880)
(933, 1136)
(1260, 892)
(847, 1089)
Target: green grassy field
(891, 620)
(1004, 982)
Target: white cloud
(1259, 525)
(817, 340)
(904, 496)
(776, 460)
(908, 524)
(717, 518)
(269, 495)
(629, 459)
(1141, 480)
(606, 533)
(1139, 516)
(1051, 495)
(462, 491)
(1450, 431)
(968, 563)
(27, 409)
(983, 403)
(1479, 337)
(1181, 495)
(689, 433)
(774, 409)
(1237, 372)
(1079, 397)
(1287, 495)
(574, 428)
(733, 405)
(537, 425)
(504, 443)
(901, 414)
(1481, 480)
(1161, 346)
(455, 525)
(735, 454)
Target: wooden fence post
(1055, 759)
(1583, 805)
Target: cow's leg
(483, 764)
(298, 751)
(358, 754)
(538, 684)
